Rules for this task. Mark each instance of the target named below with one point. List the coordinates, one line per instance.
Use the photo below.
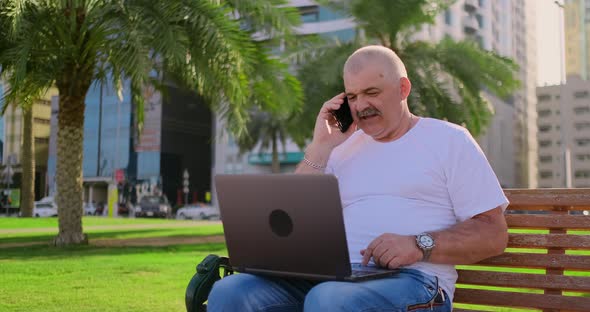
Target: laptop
(288, 225)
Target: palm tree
(203, 45)
(265, 130)
(28, 163)
(447, 77)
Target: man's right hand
(326, 133)
(326, 136)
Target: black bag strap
(200, 285)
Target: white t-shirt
(428, 180)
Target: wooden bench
(558, 275)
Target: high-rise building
(577, 38)
(508, 28)
(564, 134)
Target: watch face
(426, 241)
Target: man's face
(375, 101)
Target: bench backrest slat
(548, 197)
(576, 222)
(540, 281)
(538, 301)
(528, 260)
(549, 241)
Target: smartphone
(343, 116)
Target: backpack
(201, 283)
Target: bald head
(379, 56)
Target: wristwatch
(425, 242)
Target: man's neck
(407, 123)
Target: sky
(548, 37)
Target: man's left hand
(392, 251)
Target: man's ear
(405, 86)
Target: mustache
(367, 112)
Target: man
(418, 195)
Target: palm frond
(270, 18)
(475, 68)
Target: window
(43, 102)
(309, 14)
(583, 157)
(582, 110)
(582, 174)
(581, 94)
(544, 97)
(479, 40)
(41, 140)
(545, 128)
(42, 121)
(448, 17)
(544, 113)
(546, 158)
(545, 143)
(479, 20)
(582, 125)
(546, 174)
(583, 142)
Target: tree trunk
(28, 164)
(70, 136)
(276, 166)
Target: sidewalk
(129, 242)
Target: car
(124, 209)
(153, 206)
(46, 207)
(198, 211)
(89, 209)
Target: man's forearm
(473, 240)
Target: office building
(564, 134)
(12, 138)
(577, 38)
(176, 136)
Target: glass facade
(107, 122)
(327, 14)
(312, 14)
(148, 165)
(344, 35)
(176, 136)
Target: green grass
(90, 278)
(21, 223)
(87, 278)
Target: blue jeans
(409, 290)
